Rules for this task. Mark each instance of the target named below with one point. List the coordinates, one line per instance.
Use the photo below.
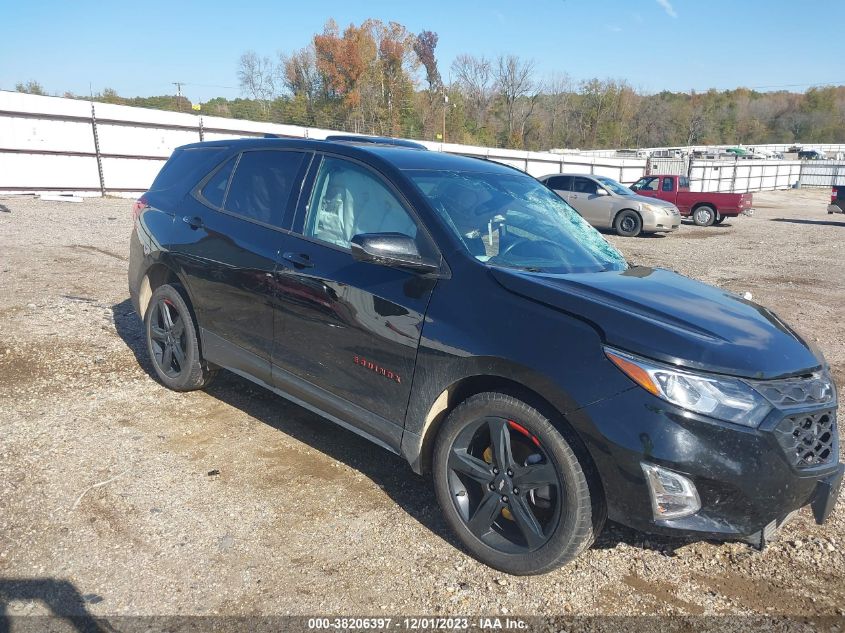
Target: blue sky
(140, 48)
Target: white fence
(822, 173)
(66, 145)
(743, 176)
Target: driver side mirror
(602, 192)
(390, 249)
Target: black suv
(457, 312)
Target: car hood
(663, 315)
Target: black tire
(719, 219)
(704, 215)
(563, 515)
(172, 341)
(628, 223)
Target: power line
(829, 83)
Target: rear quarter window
(186, 167)
(215, 189)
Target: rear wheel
(511, 487)
(172, 341)
(704, 215)
(628, 223)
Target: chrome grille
(809, 439)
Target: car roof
(593, 176)
(400, 157)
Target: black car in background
(458, 313)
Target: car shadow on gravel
(61, 597)
(388, 471)
(802, 221)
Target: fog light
(672, 495)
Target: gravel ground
(122, 498)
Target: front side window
(262, 185)
(512, 220)
(585, 185)
(349, 200)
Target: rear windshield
(514, 221)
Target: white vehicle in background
(761, 153)
(633, 153)
(667, 153)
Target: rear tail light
(834, 193)
(139, 205)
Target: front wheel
(704, 215)
(628, 223)
(512, 488)
(172, 341)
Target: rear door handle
(194, 222)
(299, 260)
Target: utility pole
(178, 85)
(445, 107)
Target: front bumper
(661, 222)
(744, 478)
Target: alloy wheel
(504, 486)
(167, 334)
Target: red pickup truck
(706, 208)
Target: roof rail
(375, 140)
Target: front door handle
(574, 197)
(299, 260)
(194, 222)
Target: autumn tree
(424, 45)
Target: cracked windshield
(515, 222)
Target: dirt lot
(123, 498)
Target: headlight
(720, 397)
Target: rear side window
(262, 184)
(668, 184)
(215, 189)
(561, 183)
(186, 167)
